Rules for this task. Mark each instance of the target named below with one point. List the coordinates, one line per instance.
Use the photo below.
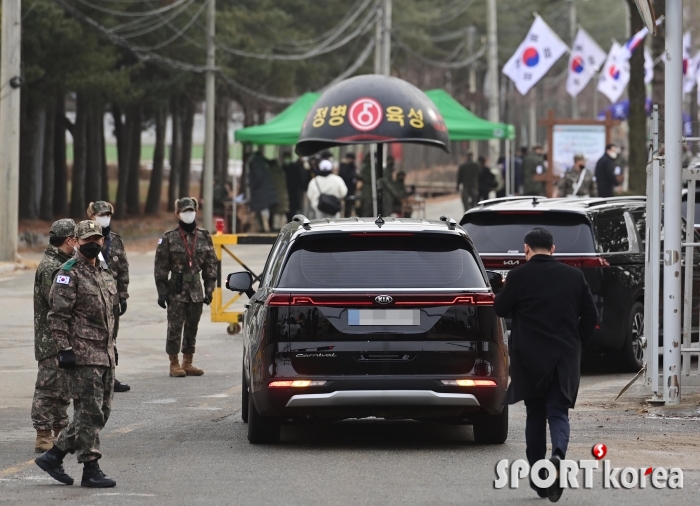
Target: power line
(447, 65)
(178, 34)
(127, 14)
(144, 26)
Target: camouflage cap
(186, 204)
(62, 228)
(579, 156)
(100, 207)
(88, 228)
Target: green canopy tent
(283, 129)
(463, 125)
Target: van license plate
(374, 317)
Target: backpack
(329, 204)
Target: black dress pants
(552, 407)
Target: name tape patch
(63, 280)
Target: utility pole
(572, 34)
(378, 39)
(472, 67)
(10, 59)
(672, 203)
(386, 38)
(208, 168)
(492, 85)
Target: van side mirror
(495, 280)
(241, 282)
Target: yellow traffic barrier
(223, 243)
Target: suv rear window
(504, 232)
(381, 261)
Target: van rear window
(494, 232)
(420, 260)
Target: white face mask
(612, 154)
(103, 221)
(187, 216)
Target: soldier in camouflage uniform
(81, 321)
(184, 256)
(114, 254)
(533, 165)
(51, 397)
(578, 181)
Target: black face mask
(90, 250)
(187, 227)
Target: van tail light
(584, 262)
(470, 383)
(368, 300)
(295, 384)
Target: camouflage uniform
(185, 298)
(114, 254)
(81, 317)
(533, 164)
(51, 396)
(588, 187)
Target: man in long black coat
(608, 172)
(554, 316)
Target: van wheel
(261, 429)
(244, 397)
(632, 354)
(492, 429)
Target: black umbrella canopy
(372, 108)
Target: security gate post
(672, 203)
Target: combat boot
(52, 463)
(187, 366)
(93, 476)
(44, 441)
(175, 369)
(56, 432)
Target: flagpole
(572, 33)
(595, 96)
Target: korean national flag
(615, 74)
(534, 57)
(689, 64)
(585, 60)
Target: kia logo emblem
(511, 262)
(383, 299)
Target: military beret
(88, 228)
(186, 204)
(100, 207)
(62, 228)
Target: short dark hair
(610, 146)
(57, 241)
(523, 150)
(350, 155)
(539, 238)
(326, 154)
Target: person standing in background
(294, 174)
(51, 395)
(325, 183)
(578, 181)
(487, 181)
(607, 172)
(279, 211)
(533, 165)
(263, 194)
(114, 254)
(468, 178)
(184, 257)
(348, 173)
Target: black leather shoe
(541, 492)
(120, 387)
(555, 491)
(52, 465)
(93, 477)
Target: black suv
(358, 318)
(605, 238)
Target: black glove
(207, 298)
(122, 306)
(163, 301)
(66, 359)
(116, 357)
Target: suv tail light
(368, 300)
(469, 383)
(583, 262)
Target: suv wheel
(244, 397)
(261, 429)
(632, 352)
(492, 429)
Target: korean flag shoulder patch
(63, 279)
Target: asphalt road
(181, 441)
